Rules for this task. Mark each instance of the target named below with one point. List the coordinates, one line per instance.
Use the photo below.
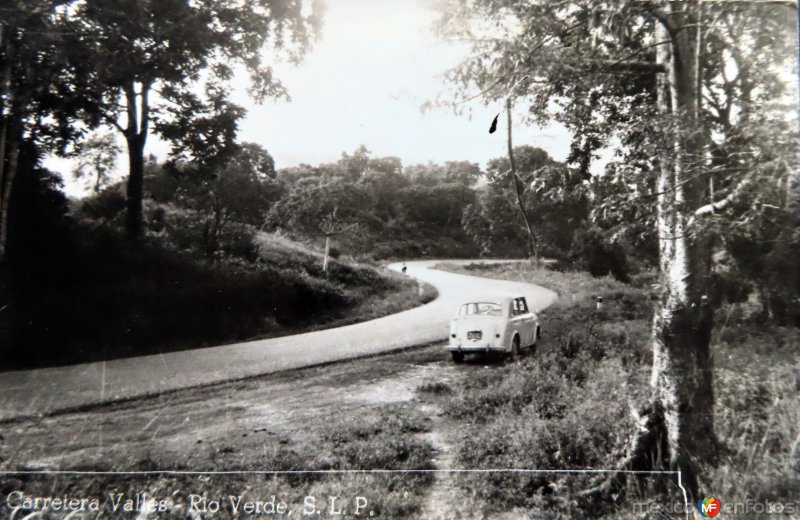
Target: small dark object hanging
(494, 124)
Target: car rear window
(481, 308)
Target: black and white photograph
(399, 259)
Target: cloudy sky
(376, 63)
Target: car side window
(523, 305)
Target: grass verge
(568, 405)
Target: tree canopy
(685, 92)
(161, 66)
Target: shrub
(595, 254)
(238, 240)
(107, 206)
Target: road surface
(42, 391)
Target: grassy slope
(368, 297)
(109, 299)
(568, 405)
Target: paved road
(40, 391)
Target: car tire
(458, 357)
(515, 345)
(538, 333)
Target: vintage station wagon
(493, 325)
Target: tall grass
(757, 385)
(568, 405)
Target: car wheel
(538, 333)
(515, 349)
(458, 357)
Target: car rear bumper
(475, 347)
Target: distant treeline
(376, 208)
(240, 249)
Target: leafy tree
(296, 173)
(553, 197)
(461, 172)
(385, 181)
(247, 186)
(591, 251)
(355, 166)
(97, 160)
(149, 57)
(423, 174)
(623, 209)
(42, 89)
(491, 222)
(327, 207)
(641, 71)
(542, 188)
(436, 208)
(215, 208)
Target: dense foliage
(73, 288)
(594, 66)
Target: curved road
(41, 391)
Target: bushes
(87, 293)
(422, 247)
(593, 253)
(115, 299)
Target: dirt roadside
(247, 424)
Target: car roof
(503, 300)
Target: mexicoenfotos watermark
(710, 507)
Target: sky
(364, 82)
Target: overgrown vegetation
(568, 406)
(82, 292)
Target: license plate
(474, 334)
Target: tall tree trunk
(533, 250)
(9, 173)
(134, 218)
(682, 374)
(677, 428)
(6, 172)
(138, 113)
